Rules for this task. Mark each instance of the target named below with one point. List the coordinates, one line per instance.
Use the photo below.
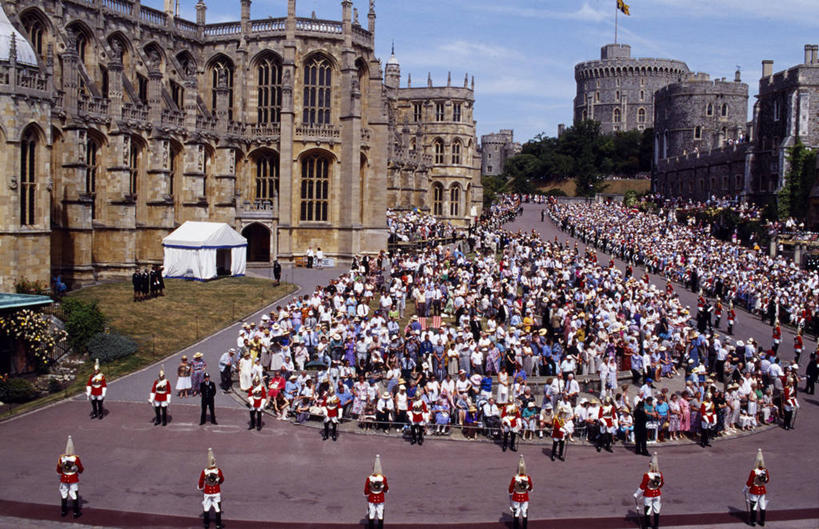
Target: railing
(173, 117)
(152, 16)
(264, 130)
(270, 24)
(186, 26)
(119, 6)
(95, 105)
(138, 113)
(361, 32)
(236, 128)
(319, 26)
(318, 131)
(58, 100)
(205, 123)
(4, 75)
(28, 79)
(226, 28)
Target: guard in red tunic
(559, 434)
(755, 492)
(519, 489)
(732, 317)
(210, 481)
(257, 399)
(95, 390)
(797, 346)
(69, 467)
(650, 492)
(375, 489)
(510, 423)
(789, 403)
(717, 313)
(777, 336)
(332, 414)
(418, 419)
(607, 416)
(160, 398)
(708, 413)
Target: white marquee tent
(198, 250)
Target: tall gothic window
(709, 110)
(439, 111)
(28, 177)
(617, 115)
(455, 201)
(456, 112)
(36, 33)
(267, 176)
(222, 72)
(317, 91)
(641, 115)
(456, 153)
(439, 151)
(697, 132)
(724, 110)
(315, 187)
(91, 168)
(82, 46)
(417, 112)
(269, 82)
(437, 200)
(133, 168)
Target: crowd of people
(148, 283)
(415, 225)
(426, 341)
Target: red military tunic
(511, 419)
(257, 396)
(557, 430)
(520, 497)
(708, 413)
(608, 416)
(208, 487)
(718, 310)
(777, 333)
(161, 390)
(797, 344)
(69, 476)
(789, 397)
(757, 490)
(418, 412)
(732, 315)
(96, 384)
(331, 408)
(375, 497)
(651, 493)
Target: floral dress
(198, 366)
(674, 415)
(361, 392)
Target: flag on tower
(622, 6)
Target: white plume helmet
(521, 466)
(162, 371)
(654, 465)
(211, 459)
(96, 365)
(760, 461)
(377, 465)
(69, 447)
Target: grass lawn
(188, 312)
(617, 187)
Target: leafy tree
(793, 198)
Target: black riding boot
(515, 522)
(762, 517)
(420, 434)
(752, 515)
(413, 435)
(646, 519)
(158, 419)
(656, 520)
(252, 420)
(554, 449)
(609, 440)
(326, 432)
(164, 416)
(505, 441)
(63, 507)
(370, 523)
(525, 522)
(206, 519)
(380, 524)
(77, 512)
(335, 431)
(512, 444)
(259, 421)
(704, 438)
(93, 409)
(219, 520)
(100, 411)
(562, 446)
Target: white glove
(88, 393)
(638, 493)
(104, 391)
(151, 398)
(745, 489)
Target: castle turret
(393, 72)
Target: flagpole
(616, 9)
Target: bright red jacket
(651, 493)
(756, 489)
(520, 496)
(211, 488)
(375, 497)
(72, 476)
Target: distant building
(618, 90)
(496, 148)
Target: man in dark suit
(207, 390)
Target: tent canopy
(200, 250)
(216, 235)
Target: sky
(522, 52)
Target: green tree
(793, 198)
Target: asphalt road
(286, 475)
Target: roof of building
(22, 301)
(393, 59)
(8, 35)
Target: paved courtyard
(138, 475)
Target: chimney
(767, 68)
(200, 12)
(814, 54)
(808, 53)
(738, 76)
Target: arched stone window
(28, 177)
(269, 89)
(455, 200)
(36, 32)
(221, 73)
(617, 115)
(456, 152)
(697, 132)
(315, 187)
(724, 110)
(437, 199)
(91, 169)
(267, 176)
(317, 102)
(641, 115)
(709, 110)
(438, 145)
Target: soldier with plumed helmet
(519, 489)
(755, 491)
(69, 467)
(650, 491)
(375, 489)
(210, 481)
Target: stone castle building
(751, 167)
(618, 90)
(121, 122)
(496, 148)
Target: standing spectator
(640, 430)
(225, 367)
(277, 272)
(183, 380)
(198, 366)
(207, 392)
(319, 258)
(309, 257)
